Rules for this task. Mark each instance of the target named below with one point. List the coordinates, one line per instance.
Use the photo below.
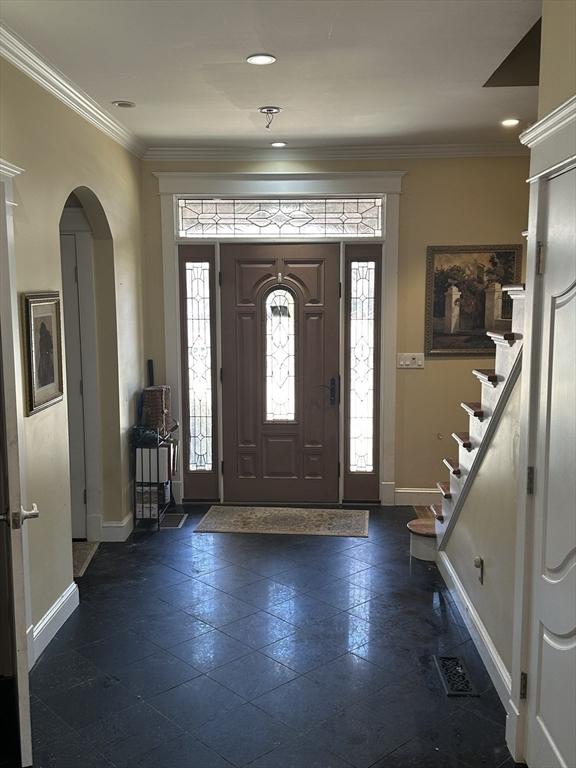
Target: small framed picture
(43, 350)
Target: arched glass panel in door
(280, 356)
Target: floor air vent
(454, 675)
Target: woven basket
(156, 412)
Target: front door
(280, 363)
(552, 672)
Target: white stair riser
(465, 458)
(505, 357)
(476, 430)
(490, 395)
(518, 314)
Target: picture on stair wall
(43, 350)
(465, 297)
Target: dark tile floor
(217, 650)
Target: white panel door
(552, 672)
(11, 460)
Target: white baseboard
(387, 493)
(416, 497)
(493, 662)
(54, 618)
(117, 530)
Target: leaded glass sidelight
(199, 365)
(362, 356)
(280, 356)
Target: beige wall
(60, 152)
(444, 202)
(558, 55)
(487, 528)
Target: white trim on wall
(552, 140)
(367, 152)
(499, 673)
(114, 530)
(27, 60)
(383, 184)
(53, 620)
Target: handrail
(495, 417)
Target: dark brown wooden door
(280, 353)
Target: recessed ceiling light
(278, 144)
(510, 122)
(124, 104)
(261, 59)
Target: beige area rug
(82, 554)
(287, 520)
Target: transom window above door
(350, 217)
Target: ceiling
(349, 72)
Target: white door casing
(14, 409)
(86, 516)
(551, 733)
(387, 184)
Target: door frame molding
(384, 184)
(15, 443)
(552, 141)
(74, 222)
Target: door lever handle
(24, 514)
(333, 390)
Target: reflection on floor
(217, 650)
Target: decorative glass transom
(199, 365)
(326, 217)
(362, 355)
(280, 356)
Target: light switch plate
(410, 360)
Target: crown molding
(372, 152)
(29, 61)
(9, 169)
(555, 121)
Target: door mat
(174, 519)
(82, 554)
(285, 520)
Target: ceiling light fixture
(269, 113)
(510, 122)
(124, 104)
(261, 59)
(278, 144)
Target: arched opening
(89, 330)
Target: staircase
(469, 447)
(496, 385)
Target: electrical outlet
(410, 360)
